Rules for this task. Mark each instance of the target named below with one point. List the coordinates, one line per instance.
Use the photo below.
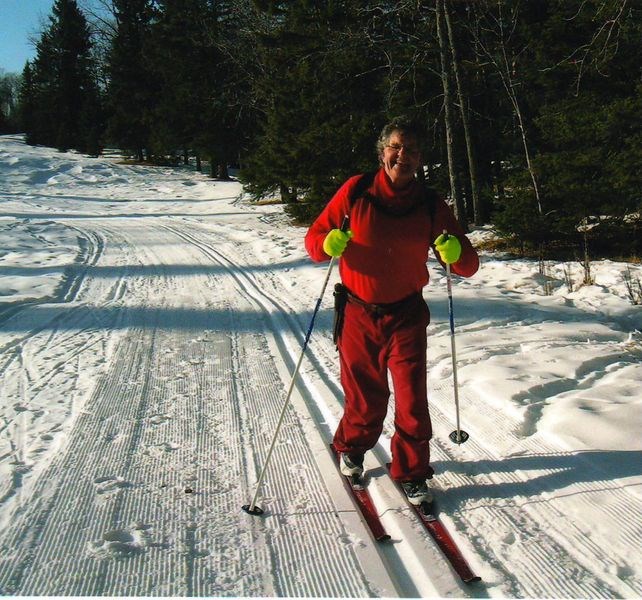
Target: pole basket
(255, 511)
(459, 436)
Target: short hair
(402, 124)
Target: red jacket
(386, 259)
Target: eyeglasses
(396, 148)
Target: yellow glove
(449, 248)
(336, 241)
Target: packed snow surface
(150, 320)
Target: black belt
(384, 309)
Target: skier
(381, 320)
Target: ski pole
(459, 436)
(252, 508)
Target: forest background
(531, 109)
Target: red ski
(440, 534)
(364, 502)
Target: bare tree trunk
(504, 70)
(460, 210)
(510, 88)
(479, 212)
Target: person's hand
(336, 241)
(449, 248)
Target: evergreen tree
(64, 104)
(177, 61)
(237, 95)
(199, 94)
(132, 92)
(220, 130)
(42, 128)
(321, 111)
(27, 104)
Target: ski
(363, 501)
(439, 533)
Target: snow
(150, 319)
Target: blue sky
(19, 21)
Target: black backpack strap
(359, 190)
(366, 180)
(430, 198)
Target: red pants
(370, 345)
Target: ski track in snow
(140, 398)
(176, 412)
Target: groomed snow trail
(142, 378)
(145, 497)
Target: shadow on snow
(551, 472)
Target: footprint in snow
(158, 450)
(159, 419)
(120, 543)
(509, 538)
(106, 485)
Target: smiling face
(401, 158)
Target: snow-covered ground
(149, 322)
